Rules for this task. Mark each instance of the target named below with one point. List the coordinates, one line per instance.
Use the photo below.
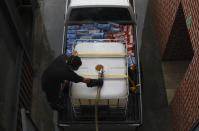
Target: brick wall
(164, 15)
(185, 105)
(178, 46)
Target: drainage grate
(25, 95)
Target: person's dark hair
(74, 62)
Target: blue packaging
(115, 29)
(114, 24)
(82, 32)
(69, 50)
(130, 60)
(99, 35)
(103, 26)
(95, 24)
(73, 27)
(86, 37)
(83, 40)
(71, 36)
(71, 32)
(68, 54)
(78, 36)
(88, 27)
(92, 28)
(94, 31)
(71, 41)
(134, 60)
(69, 45)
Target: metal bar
(27, 79)
(107, 76)
(24, 90)
(24, 102)
(28, 68)
(112, 78)
(104, 40)
(115, 78)
(139, 73)
(132, 123)
(102, 54)
(127, 81)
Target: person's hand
(86, 80)
(95, 83)
(75, 53)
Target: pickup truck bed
(82, 111)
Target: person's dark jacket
(54, 75)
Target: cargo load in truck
(103, 34)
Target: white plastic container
(115, 88)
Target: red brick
(185, 104)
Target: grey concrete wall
(141, 9)
(11, 56)
(52, 12)
(9, 67)
(8, 88)
(47, 45)
(42, 114)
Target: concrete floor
(173, 74)
(155, 105)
